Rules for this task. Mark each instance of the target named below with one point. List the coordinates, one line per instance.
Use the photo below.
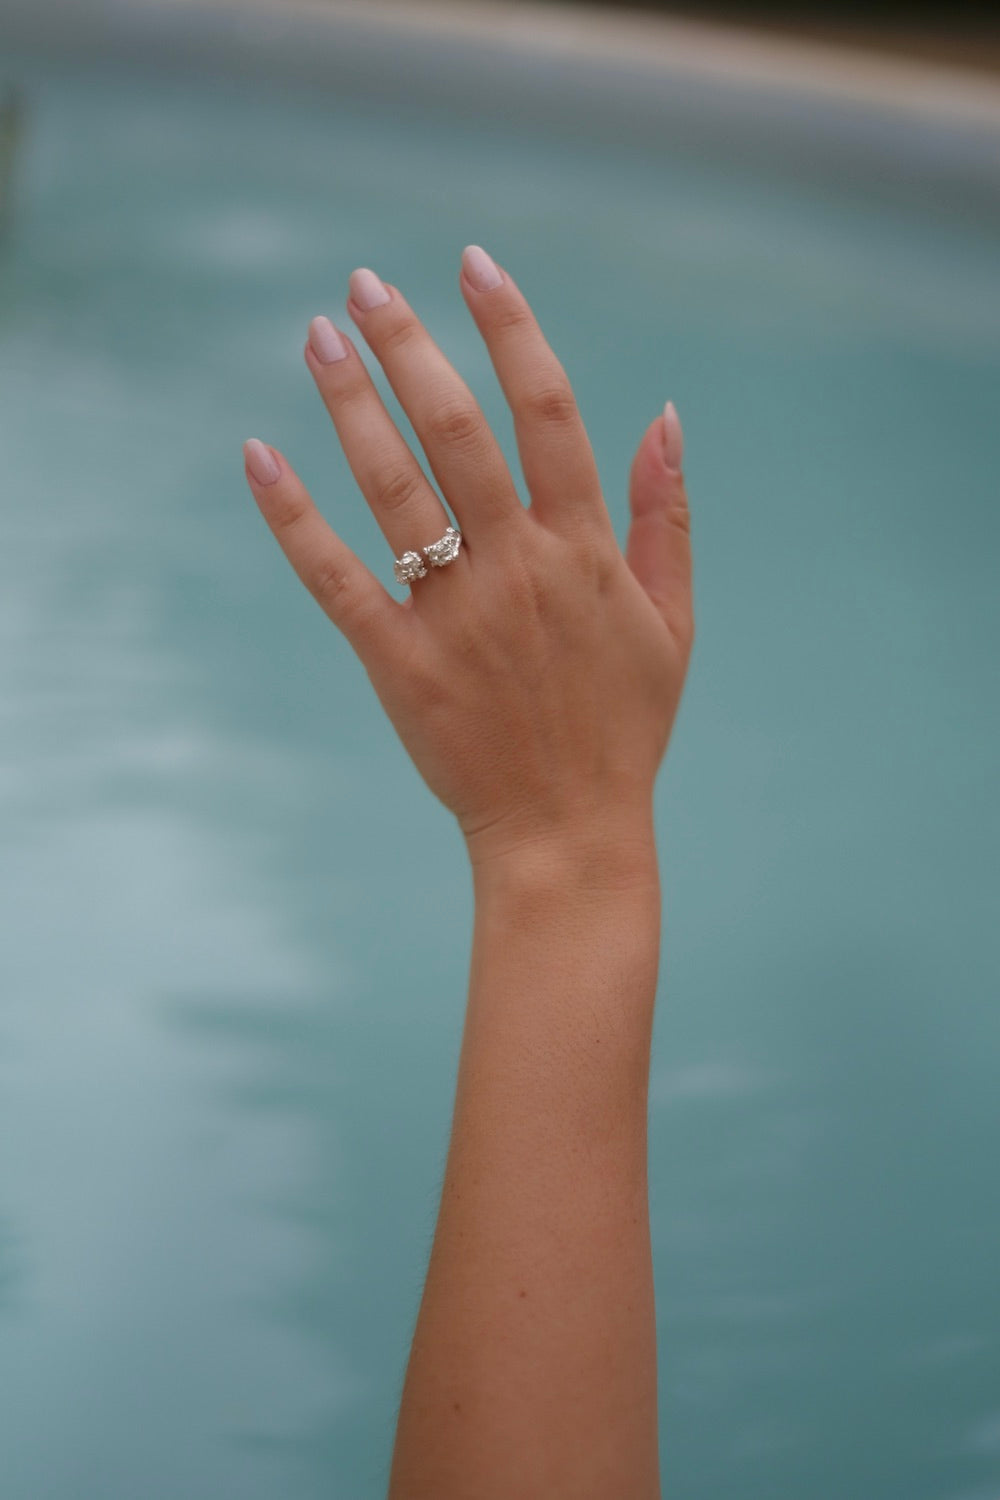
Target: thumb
(659, 539)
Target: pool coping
(896, 128)
(669, 45)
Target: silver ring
(439, 554)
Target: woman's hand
(534, 680)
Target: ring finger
(408, 510)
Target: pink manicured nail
(480, 268)
(325, 342)
(366, 289)
(673, 438)
(261, 461)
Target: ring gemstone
(408, 567)
(438, 554)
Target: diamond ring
(412, 565)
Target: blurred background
(234, 930)
(967, 31)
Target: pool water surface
(235, 923)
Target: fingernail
(673, 438)
(325, 342)
(261, 461)
(480, 268)
(366, 289)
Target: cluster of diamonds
(408, 567)
(411, 564)
(444, 551)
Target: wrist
(586, 861)
(565, 959)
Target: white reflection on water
(148, 1209)
(953, 1349)
(238, 239)
(153, 1243)
(985, 1435)
(713, 1081)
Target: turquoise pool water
(228, 1024)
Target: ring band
(439, 554)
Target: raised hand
(533, 679)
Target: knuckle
(512, 317)
(594, 561)
(529, 588)
(678, 616)
(286, 511)
(353, 390)
(397, 488)
(456, 424)
(552, 403)
(432, 690)
(679, 515)
(605, 570)
(399, 334)
(332, 585)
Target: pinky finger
(337, 579)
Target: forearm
(533, 1367)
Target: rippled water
(235, 924)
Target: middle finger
(463, 453)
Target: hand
(534, 680)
